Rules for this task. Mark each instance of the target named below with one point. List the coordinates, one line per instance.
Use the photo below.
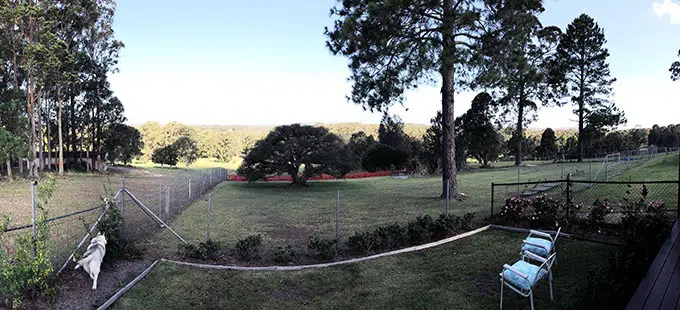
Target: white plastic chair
(541, 244)
(523, 276)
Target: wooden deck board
(660, 288)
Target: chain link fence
(77, 202)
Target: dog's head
(100, 238)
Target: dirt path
(74, 287)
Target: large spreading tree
(288, 148)
(394, 46)
(582, 70)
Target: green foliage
(421, 230)
(545, 212)
(480, 138)
(167, 155)
(187, 152)
(284, 255)
(598, 211)
(664, 136)
(248, 249)
(123, 142)
(287, 148)
(548, 146)
(582, 72)
(205, 250)
(116, 246)
(432, 145)
(28, 268)
(383, 157)
(321, 247)
(513, 209)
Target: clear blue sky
(264, 62)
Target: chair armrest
(513, 270)
(534, 256)
(536, 244)
(548, 262)
(540, 233)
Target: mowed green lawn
(462, 274)
(286, 215)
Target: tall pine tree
(582, 70)
(394, 46)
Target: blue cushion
(534, 272)
(538, 250)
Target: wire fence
(78, 201)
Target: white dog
(93, 257)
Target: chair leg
(502, 294)
(531, 297)
(550, 277)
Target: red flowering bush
(513, 208)
(545, 210)
(598, 211)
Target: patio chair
(523, 276)
(542, 244)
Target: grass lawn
(289, 216)
(462, 274)
(200, 163)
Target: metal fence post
(337, 220)
(160, 197)
(167, 199)
(209, 178)
(568, 195)
(590, 170)
(189, 189)
(492, 196)
(518, 181)
(562, 175)
(35, 232)
(678, 185)
(446, 205)
(209, 207)
(122, 209)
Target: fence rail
(584, 193)
(80, 196)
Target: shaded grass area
(459, 275)
(200, 163)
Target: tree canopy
(394, 46)
(288, 148)
(482, 141)
(582, 70)
(123, 142)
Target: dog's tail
(81, 262)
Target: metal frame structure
(546, 264)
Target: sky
(265, 63)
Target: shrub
(513, 208)
(248, 248)
(389, 237)
(598, 211)
(321, 247)
(204, 250)
(418, 231)
(284, 255)
(361, 243)
(27, 269)
(545, 211)
(466, 222)
(116, 246)
(444, 226)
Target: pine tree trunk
(9, 168)
(61, 142)
(520, 127)
(581, 150)
(49, 137)
(448, 89)
(41, 136)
